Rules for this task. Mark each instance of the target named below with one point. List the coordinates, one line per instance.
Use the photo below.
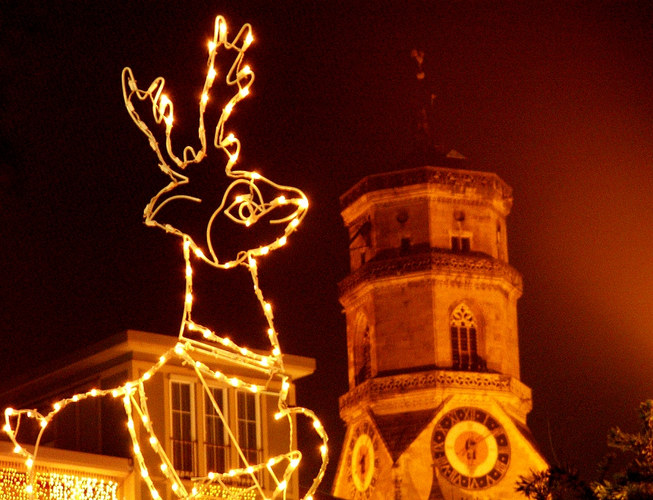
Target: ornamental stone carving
(484, 184)
(386, 387)
(434, 260)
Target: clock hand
(363, 463)
(491, 433)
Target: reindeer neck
(195, 337)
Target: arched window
(464, 347)
(364, 361)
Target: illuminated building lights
(244, 210)
(15, 485)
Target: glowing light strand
(55, 486)
(244, 210)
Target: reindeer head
(247, 198)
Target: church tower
(435, 408)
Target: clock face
(470, 448)
(363, 460)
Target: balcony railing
(184, 457)
(185, 460)
(217, 457)
(254, 456)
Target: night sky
(555, 97)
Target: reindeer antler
(163, 108)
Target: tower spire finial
(424, 110)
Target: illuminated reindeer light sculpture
(243, 203)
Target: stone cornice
(452, 179)
(382, 388)
(433, 260)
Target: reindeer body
(245, 202)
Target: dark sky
(555, 97)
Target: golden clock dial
(363, 460)
(470, 448)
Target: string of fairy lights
(195, 340)
(55, 486)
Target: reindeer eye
(245, 209)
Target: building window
(460, 244)
(248, 426)
(183, 428)
(405, 246)
(464, 347)
(216, 442)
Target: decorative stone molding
(433, 260)
(386, 387)
(454, 180)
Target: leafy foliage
(636, 482)
(633, 483)
(555, 483)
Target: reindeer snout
(249, 202)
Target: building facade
(90, 436)
(435, 407)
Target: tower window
(365, 360)
(405, 246)
(500, 252)
(460, 244)
(464, 345)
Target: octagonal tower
(435, 407)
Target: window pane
(217, 396)
(251, 407)
(216, 444)
(183, 444)
(175, 395)
(242, 432)
(185, 427)
(464, 339)
(241, 405)
(248, 426)
(251, 435)
(455, 348)
(185, 397)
